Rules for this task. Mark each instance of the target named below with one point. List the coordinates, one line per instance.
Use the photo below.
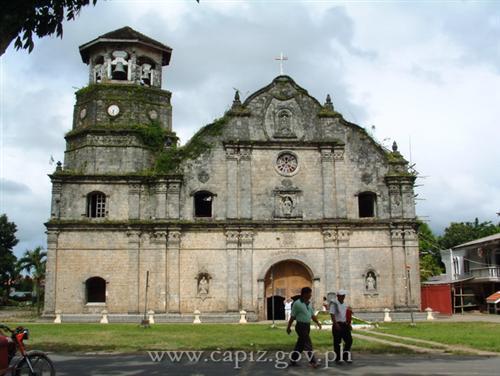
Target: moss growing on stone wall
(327, 113)
(169, 161)
(152, 134)
(134, 91)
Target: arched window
(98, 69)
(95, 289)
(366, 204)
(96, 205)
(147, 69)
(203, 204)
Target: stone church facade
(281, 192)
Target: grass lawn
(478, 335)
(132, 338)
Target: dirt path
(442, 348)
(417, 349)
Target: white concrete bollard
(104, 318)
(197, 317)
(58, 318)
(243, 317)
(151, 315)
(430, 316)
(387, 317)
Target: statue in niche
(284, 124)
(371, 281)
(287, 206)
(203, 284)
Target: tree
(21, 19)
(430, 257)
(8, 241)
(463, 232)
(34, 263)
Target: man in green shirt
(303, 313)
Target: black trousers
(343, 333)
(303, 342)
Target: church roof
(126, 35)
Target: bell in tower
(119, 66)
(125, 56)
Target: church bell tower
(122, 107)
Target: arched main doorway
(284, 280)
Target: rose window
(287, 164)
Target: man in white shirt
(341, 327)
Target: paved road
(76, 365)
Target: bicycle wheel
(42, 365)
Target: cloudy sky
(425, 71)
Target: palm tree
(34, 263)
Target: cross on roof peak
(281, 59)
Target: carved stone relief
(287, 201)
(283, 120)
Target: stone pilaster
(329, 207)
(317, 294)
(331, 259)
(408, 201)
(173, 199)
(161, 200)
(173, 270)
(344, 260)
(158, 240)
(232, 275)
(399, 281)
(51, 272)
(55, 207)
(395, 200)
(232, 157)
(245, 183)
(260, 299)
(146, 209)
(340, 181)
(134, 249)
(134, 200)
(412, 267)
(246, 268)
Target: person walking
(288, 308)
(324, 307)
(303, 313)
(341, 327)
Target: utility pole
(272, 296)
(145, 321)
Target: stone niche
(287, 201)
(371, 281)
(283, 120)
